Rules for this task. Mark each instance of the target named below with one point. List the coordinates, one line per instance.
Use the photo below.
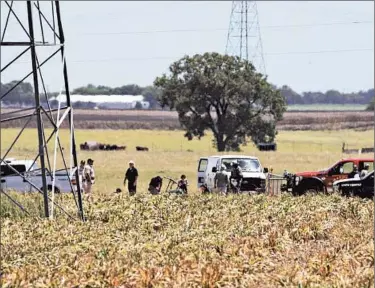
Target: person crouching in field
(182, 184)
(131, 176)
(221, 181)
(204, 189)
(155, 185)
(89, 178)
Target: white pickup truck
(12, 181)
(254, 178)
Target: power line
(226, 29)
(180, 56)
(321, 51)
(266, 54)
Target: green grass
(173, 141)
(169, 156)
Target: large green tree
(224, 94)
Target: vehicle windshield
(5, 170)
(246, 164)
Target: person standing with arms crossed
(132, 176)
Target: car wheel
(317, 189)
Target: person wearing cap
(364, 171)
(131, 176)
(221, 180)
(89, 178)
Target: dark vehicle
(299, 185)
(361, 187)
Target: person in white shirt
(81, 170)
(364, 171)
(89, 178)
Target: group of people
(222, 181)
(154, 187)
(87, 175)
(156, 183)
(356, 174)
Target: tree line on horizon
(246, 106)
(23, 94)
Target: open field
(167, 120)
(171, 154)
(193, 241)
(327, 107)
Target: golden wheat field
(195, 240)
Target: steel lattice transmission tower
(40, 27)
(244, 38)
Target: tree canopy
(223, 94)
(371, 105)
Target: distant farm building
(118, 102)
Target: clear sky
(309, 46)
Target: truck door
(26, 185)
(202, 167)
(212, 163)
(339, 172)
(368, 186)
(14, 181)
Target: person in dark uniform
(132, 176)
(236, 174)
(354, 173)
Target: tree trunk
(220, 143)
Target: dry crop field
(166, 120)
(197, 240)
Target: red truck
(321, 181)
